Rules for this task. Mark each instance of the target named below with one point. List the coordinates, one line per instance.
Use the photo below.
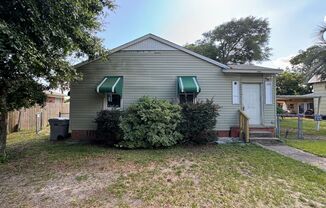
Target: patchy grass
(317, 147)
(41, 173)
(309, 127)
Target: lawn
(309, 127)
(314, 141)
(317, 147)
(39, 173)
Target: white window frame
(269, 92)
(235, 92)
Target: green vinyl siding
(154, 73)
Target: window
(113, 100)
(187, 98)
(301, 108)
(310, 106)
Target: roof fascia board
(272, 71)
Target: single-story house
(54, 97)
(156, 67)
(312, 103)
(296, 104)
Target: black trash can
(58, 128)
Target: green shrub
(198, 121)
(150, 123)
(108, 128)
(279, 110)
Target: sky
(294, 23)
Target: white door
(251, 102)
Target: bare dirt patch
(61, 190)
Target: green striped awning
(188, 84)
(111, 84)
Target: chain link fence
(300, 126)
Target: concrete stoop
(266, 140)
(260, 133)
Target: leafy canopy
(291, 83)
(36, 36)
(312, 61)
(239, 41)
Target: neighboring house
(158, 68)
(294, 104)
(54, 97)
(314, 103)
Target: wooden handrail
(244, 126)
(244, 114)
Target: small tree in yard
(198, 121)
(36, 36)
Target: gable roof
(316, 79)
(149, 44)
(160, 40)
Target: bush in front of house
(150, 123)
(108, 129)
(198, 121)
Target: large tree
(312, 61)
(36, 36)
(239, 41)
(291, 83)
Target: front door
(251, 102)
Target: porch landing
(254, 131)
(266, 140)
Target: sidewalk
(297, 154)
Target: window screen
(187, 98)
(114, 101)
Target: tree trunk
(3, 134)
(3, 122)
